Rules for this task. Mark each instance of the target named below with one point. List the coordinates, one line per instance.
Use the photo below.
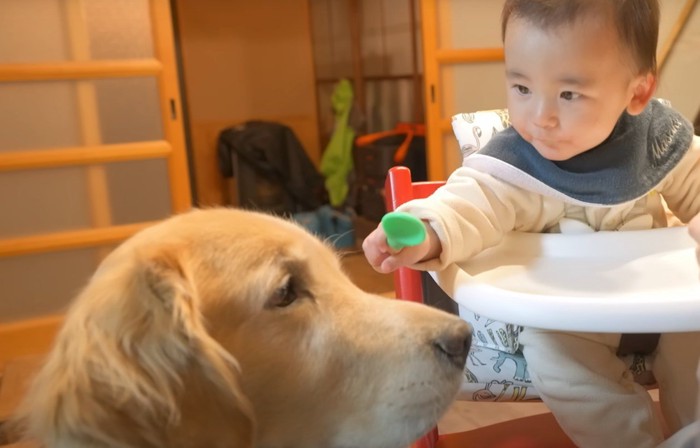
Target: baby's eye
(568, 96)
(521, 89)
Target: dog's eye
(284, 296)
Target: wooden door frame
(164, 68)
(434, 60)
(34, 336)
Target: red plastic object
(399, 189)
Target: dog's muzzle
(454, 342)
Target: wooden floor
(362, 274)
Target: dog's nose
(454, 343)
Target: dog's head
(230, 328)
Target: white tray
(631, 281)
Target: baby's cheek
(521, 129)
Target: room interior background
(110, 109)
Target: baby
(588, 147)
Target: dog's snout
(454, 342)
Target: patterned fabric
(496, 375)
(473, 130)
(489, 333)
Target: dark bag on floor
(273, 171)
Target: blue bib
(635, 158)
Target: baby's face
(567, 86)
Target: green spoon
(403, 230)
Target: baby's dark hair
(636, 21)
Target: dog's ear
(206, 370)
(135, 366)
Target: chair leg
(427, 441)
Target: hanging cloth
(336, 162)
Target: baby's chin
(558, 152)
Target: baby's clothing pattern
(580, 378)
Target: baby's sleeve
(473, 211)
(681, 188)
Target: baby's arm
(681, 188)
(694, 228)
(465, 216)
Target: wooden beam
(72, 239)
(355, 13)
(80, 70)
(170, 105)
(418, 112)
(434, 154)
(446, 125)
(468, 55)
(675, 32)
(88, 117)
(83, 155)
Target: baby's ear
(644, 87)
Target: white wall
(680, 76)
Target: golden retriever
(227, 328)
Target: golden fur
(225, 328)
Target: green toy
(403, 230)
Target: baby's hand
(384, 259)
(694, 228)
